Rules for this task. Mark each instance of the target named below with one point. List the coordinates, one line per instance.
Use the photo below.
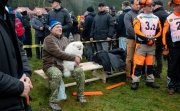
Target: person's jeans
(122, 42)
(102, 46)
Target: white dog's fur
(74, 48)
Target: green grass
(119, 99)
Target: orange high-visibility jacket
(147, 26)
(172, 23)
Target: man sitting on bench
(53, 56)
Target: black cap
(51, 1)
(101, 4)
(90, 9)
(158, 2)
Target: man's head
(135, 5)
(175, 4)
(157, 4)
(125, 4)
(113, 10)
(55, 4)
(101, 7)
(55, 28)
(146, 5)
(39, 13)
(90, 9)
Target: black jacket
(62, 16)
(162, 14)
(87, 26)
(120, 28)
(13, 64)
(102, 27)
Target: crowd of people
(143, 30)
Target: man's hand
(27, 85)
(91, 39)
(41, 28)
(108, 38)
(77, 60)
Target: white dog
(74, 48)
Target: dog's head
(78, 45)
(75, 48)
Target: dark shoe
(152, 85)
(171, 91)
(135, 85)
(81, 99)
(55, 107)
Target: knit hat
(90, 9)
(53, 23)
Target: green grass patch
(119, 99)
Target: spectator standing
(102, 28)
(14, 71)
(88, 49)
(172, 23)
(128, 21)
(121, 31)
(147, 27)
(60, 14)
(159, 11)
(39, 26)
(28, 33)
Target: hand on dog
(77, 60)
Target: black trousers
(174, 68)
(39, 41)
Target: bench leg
(102, 75)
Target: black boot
(135, 85)
(152, 85)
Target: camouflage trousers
(55, 78)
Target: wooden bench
(87, 66)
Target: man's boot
(171, 91)
(81, 99)
(55, 106)
(152, 85)
(134, 85)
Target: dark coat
(162, 14)
(38, 22)
(102, 27)
(87, 26)
(13, 63)
(27, 26)
(62, 16)
(120, 28)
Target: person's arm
(137, 29)
(68, 22)
(10, 86)
(158, 30)
(35, 26)
(26, 67)
(52, 48)
(120, 25)
(111, 26)
(92, 29)
(165, 30)
(129, 25)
